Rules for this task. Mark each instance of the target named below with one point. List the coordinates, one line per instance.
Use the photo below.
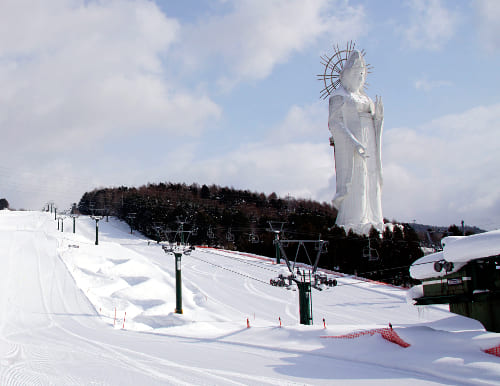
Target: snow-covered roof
(458, 250)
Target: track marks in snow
(35, 366)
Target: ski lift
(282, 281)
(229, 236)
(168, 248)
(370, 253)
(253, 238)
(320, 246)
(324, 279)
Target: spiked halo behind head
(333, 67)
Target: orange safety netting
(493, 351)
(387, 333)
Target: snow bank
(458, 250)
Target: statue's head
(353, 75)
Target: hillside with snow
(72, 312)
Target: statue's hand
(361, 150)
(379, 108)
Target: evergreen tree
(454, 230)
(4, 204)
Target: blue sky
(108, 93)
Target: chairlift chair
(229, 236)
(253, 238)
(373, 255)
(370, 253)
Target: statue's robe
(358, 179)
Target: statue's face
(353, 78)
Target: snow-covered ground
(59, 292)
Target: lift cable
(394, 268)
(360, 281)
(242, 261)
(230, 270)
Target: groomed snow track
(53, 331)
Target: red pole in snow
(248, 323)
(280, 321)
(324, 323)
(124, 319)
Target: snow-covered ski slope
(59, 292)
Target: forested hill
(242, 220)
(160, 206)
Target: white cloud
(431, 24)
(300, 169)
(428, 85)
(76, 71)
(256, 35)
(488, 12)
(58, 181)
(295, 158)
(303, 123)
(446, 170)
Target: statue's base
(364, 228)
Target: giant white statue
(355, 123)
